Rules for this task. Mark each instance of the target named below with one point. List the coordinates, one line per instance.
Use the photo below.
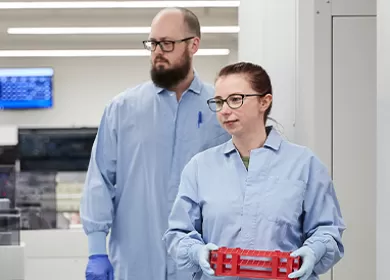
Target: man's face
(167, 71)
(171, 59)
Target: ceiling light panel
(98, 53)
(118, 4)
(107, 30)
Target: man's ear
(195, 45)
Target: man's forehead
(154, 36)
(168, 33)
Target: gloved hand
(204, 256)
(308, 262)
(99, 268)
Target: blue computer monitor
(26, 88)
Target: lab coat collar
(273, 141)
(195, 86)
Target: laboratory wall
(274, 46)
(354, 140)
(84, 85)
(383, 139)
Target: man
(146, 136)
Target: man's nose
(158, 50)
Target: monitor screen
(26, 88)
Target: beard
(169, 78)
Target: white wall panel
(59, 254)
(353, 7)
(354, 141)
(313, 126)
(383, 140)
(268, 34)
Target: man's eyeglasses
(165, 45)
(234, 101)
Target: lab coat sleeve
(183, 237)
(96, 209)
(323, 224)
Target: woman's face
(248, 117)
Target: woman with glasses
(256, 191)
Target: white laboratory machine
(12, 259)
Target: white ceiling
(103, 18)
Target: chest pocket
(188, 129)
(282, 200)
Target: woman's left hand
(308, 262)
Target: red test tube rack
(244, 263)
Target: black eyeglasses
(234, 101)
(165, 45)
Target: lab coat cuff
(97, 243)
(319, 249)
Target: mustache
(159, 58)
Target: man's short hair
(191, 21)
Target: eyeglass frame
(159, 43)
(233, 94)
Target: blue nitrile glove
(204, 257)
(99, 268)
(308, 262)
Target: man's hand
(99, 268)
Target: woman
(256, 191)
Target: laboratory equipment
(9, 223)
(7, 183)
(8, 154)
(237, 262)
(11, 249)
(55, 150)
(26, 88)
(36, 199)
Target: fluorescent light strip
(97, 53)
(118, 4)
(105, 30)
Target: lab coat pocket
(282, 201)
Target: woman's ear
(266, 101)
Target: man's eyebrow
(161, 39)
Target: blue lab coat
(284, 200)
(144, 141)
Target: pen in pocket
(199, 118)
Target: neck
(250, 141)
(183, 85)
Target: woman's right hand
(204, 257)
